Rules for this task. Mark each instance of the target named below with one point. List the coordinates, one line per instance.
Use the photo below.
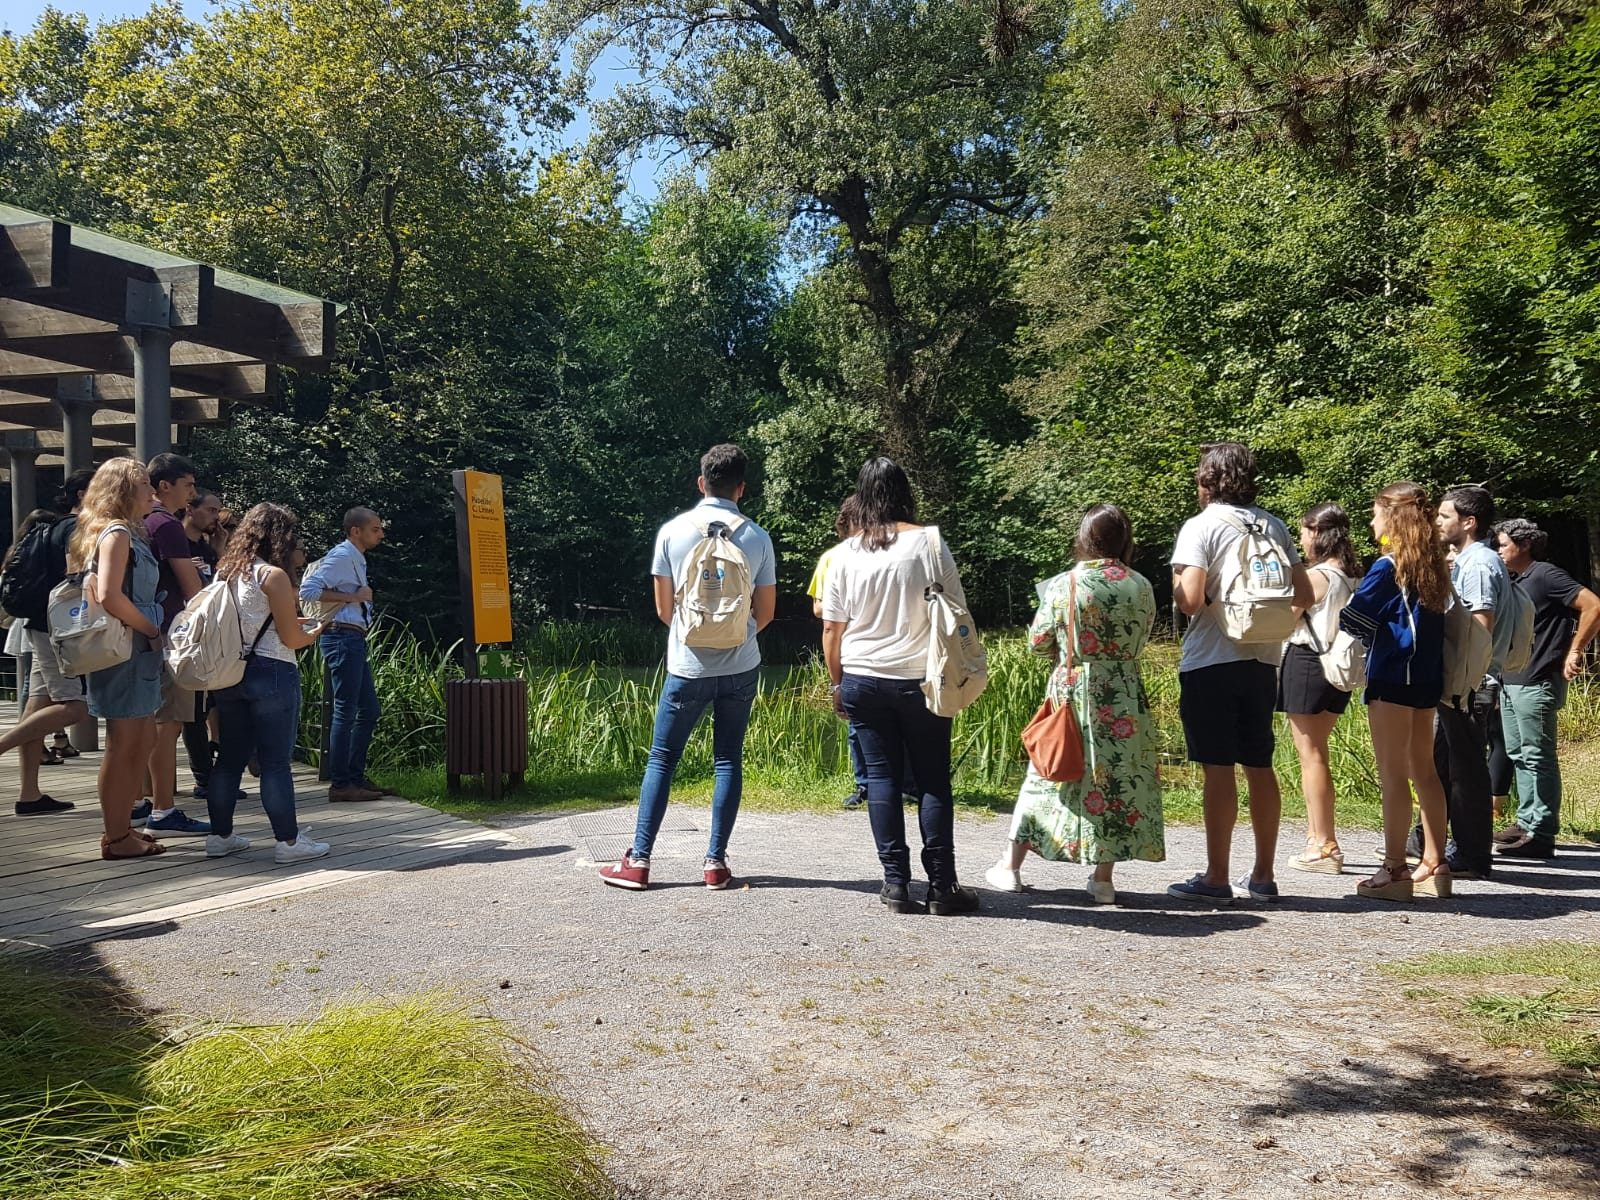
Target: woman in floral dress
(1113, 814)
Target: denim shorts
(128, 690)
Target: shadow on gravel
(490, 854)
(1535, 1146)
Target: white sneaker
(1003, 879)
(221, 847)
(302, 849)
(1102, 891)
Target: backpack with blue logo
(1257, 592)
(957, 669)
(712, 604)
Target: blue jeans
(1528, 716)
(355, 706)
(677, 713)
(893, 722)
(858, 765)
(260, 716)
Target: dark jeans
(197, 741)
(355, 706)
(904, 781)
(683, 702)
(260, 716)
(892, 721)
(1501, 776)
(1460, 755)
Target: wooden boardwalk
(55, 890)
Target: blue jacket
(1405, 642)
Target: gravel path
(794, 1039)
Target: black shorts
(1227, 713)
(1303, 689)
(1408, 695)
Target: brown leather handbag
(1052, 739)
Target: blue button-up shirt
(342, 569)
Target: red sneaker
(717, 874)
(632, 873)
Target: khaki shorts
(47, 679)
(178, 705)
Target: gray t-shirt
(1205, 541)
(674, 542)
(1483, 583)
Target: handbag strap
(1072, 620)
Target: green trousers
(1528, 716)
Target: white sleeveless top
(1323, 616)
(254, 612)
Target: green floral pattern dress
(1113, 814)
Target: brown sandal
(147, 846)
(1438, 883)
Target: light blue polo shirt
(1482, 582)
(674, 542)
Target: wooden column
(152, 392)
(22, 448)
(76, 403)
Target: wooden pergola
(107, 346)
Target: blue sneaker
(198, 793)
(140, 813)
(1249, 889)
(1196, 888)
(176, 823)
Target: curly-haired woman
(1398, 611)
(261, 714)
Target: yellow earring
(1384, 540)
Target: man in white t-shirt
(1227, 689)
(722, 679)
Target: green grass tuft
(1564, 1019)
(416, 1098)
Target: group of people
(146, 541)
(1268, 617)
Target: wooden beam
(34, 254)
(245, 382)
(98, 354)
(30, 413)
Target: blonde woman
(1398, 611)
(110, 541)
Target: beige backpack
(714, 589)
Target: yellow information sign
(488, 575)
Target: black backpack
(36, 567)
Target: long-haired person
(1312, 704)
(110, 540)
(875, 630)
(1398, 611)
(260, 715)
(1095, 620)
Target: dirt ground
(793, 1039)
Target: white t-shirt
(883, 596)
(1205, 541)
(255, 610)
(1323, 616)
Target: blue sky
(20, 15)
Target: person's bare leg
(1219, 803)
(127, 750)
(1102, 872)
(1430, 791)
(1011, 857)
(29, 753)
(39, 720)
(1391, 726)
(1266, 817)
(1311, 732)
(164, 766)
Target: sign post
(486, 714)
(481, 564)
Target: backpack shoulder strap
(1233, 519)
(935, 542)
